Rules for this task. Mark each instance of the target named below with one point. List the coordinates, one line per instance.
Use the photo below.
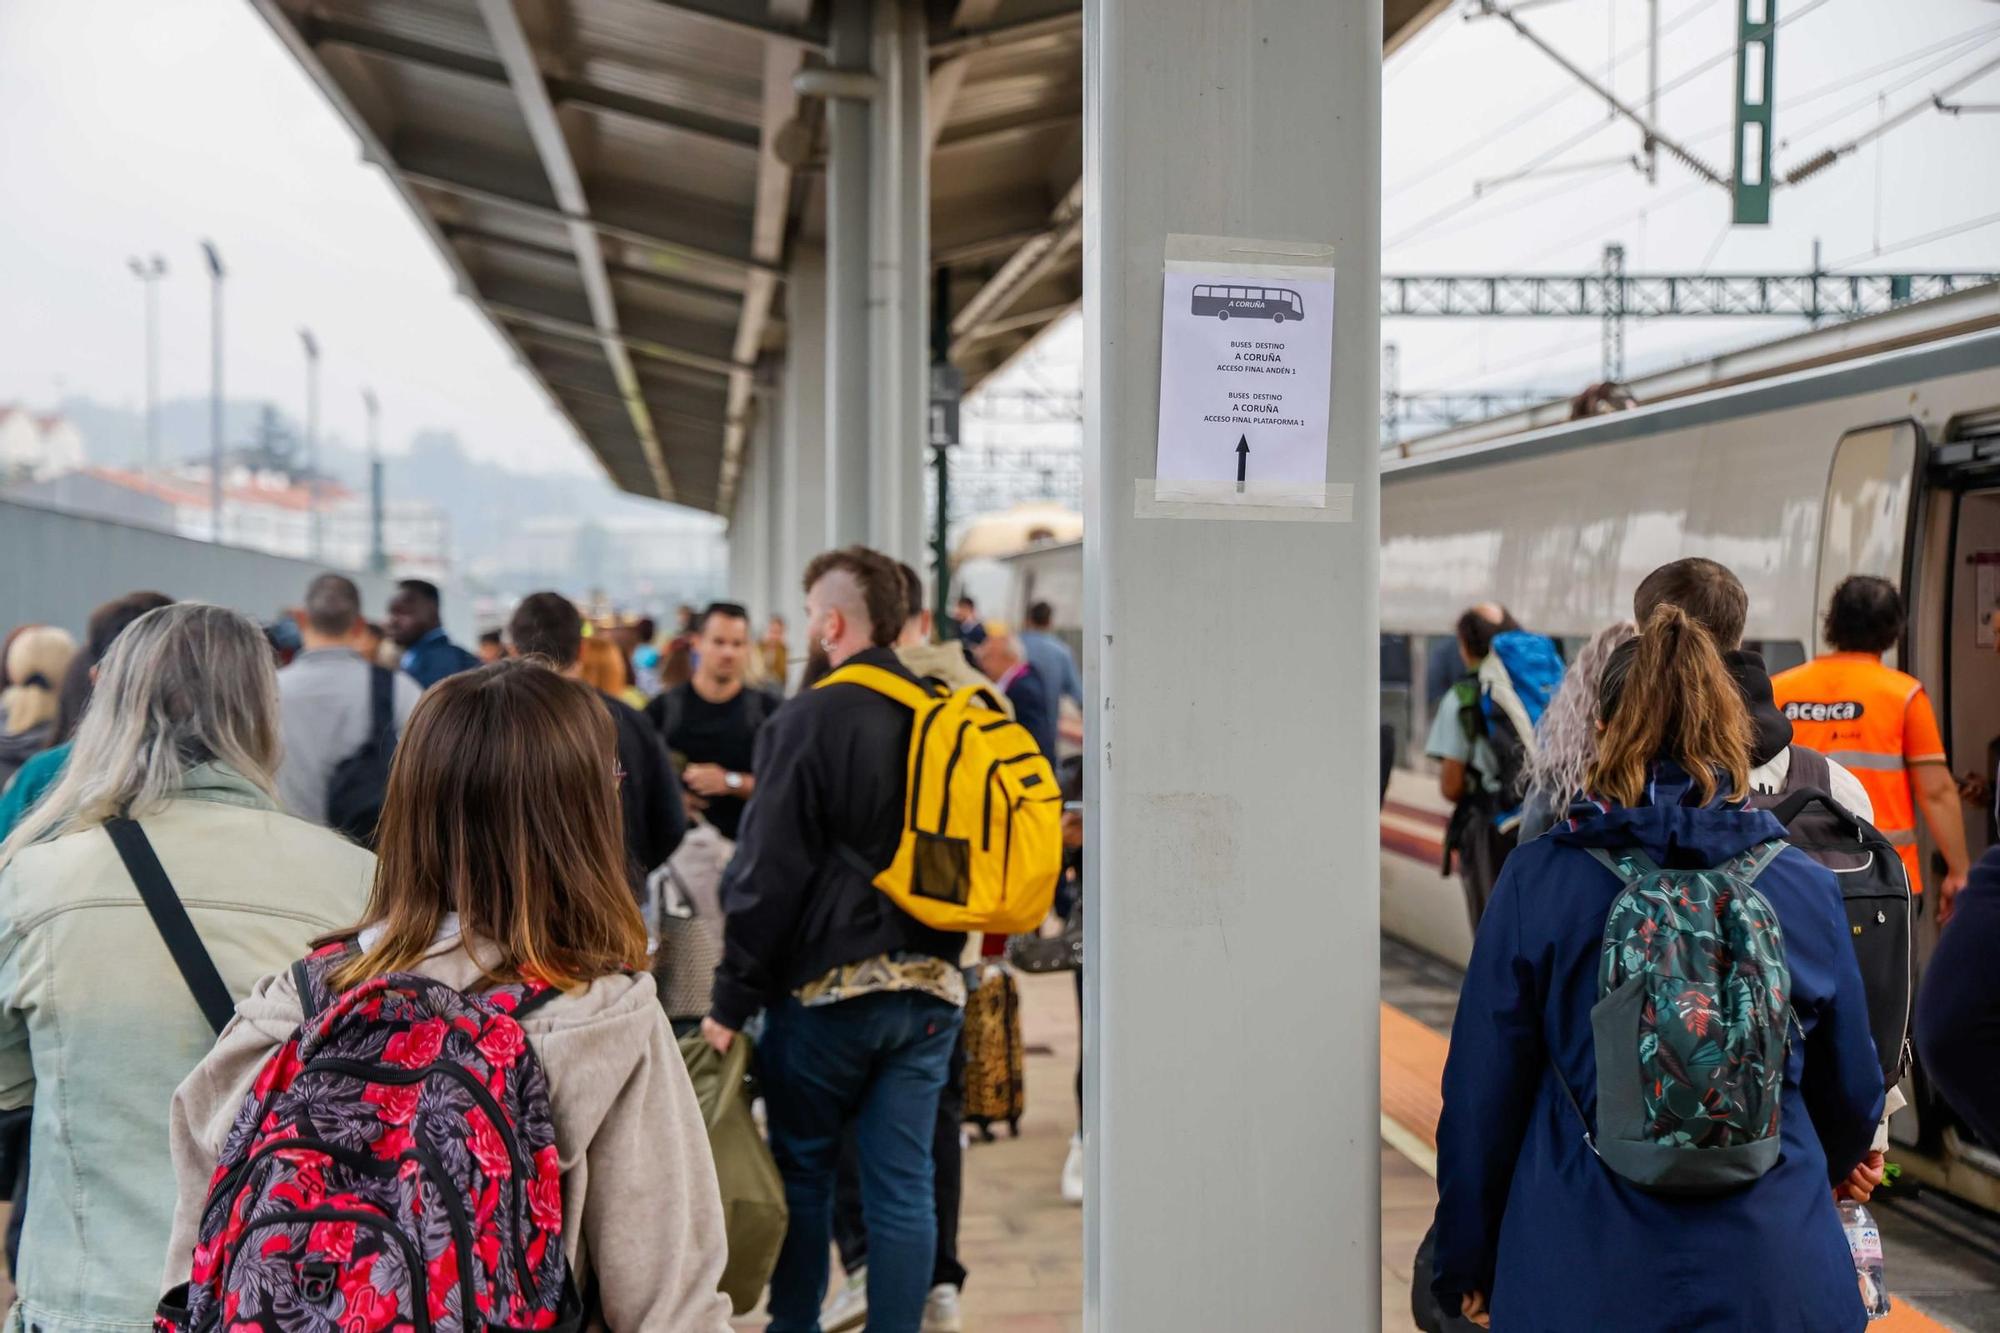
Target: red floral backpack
(393, 1170)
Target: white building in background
(35, 446)
(646, 562)
(263, 511)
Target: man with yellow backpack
(891, 816)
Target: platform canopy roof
(618, 183)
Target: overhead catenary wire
(1965, 47)
(1942, 233)
(1566, 186)
(1543, 158)
(1826, 157)
(1541, 108)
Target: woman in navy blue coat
(1532, 1228)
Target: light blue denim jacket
(97, 1028)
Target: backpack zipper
(917, 770)
(461, 1231)
(228, 1187)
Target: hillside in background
(486, 502)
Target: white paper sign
(1246, 371)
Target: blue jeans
(876, 1062)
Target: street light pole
(378, 555)
(149, 273)
(312, 438)
(214, 390)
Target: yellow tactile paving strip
(1412, 1069)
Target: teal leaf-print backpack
(1691, 1025)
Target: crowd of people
(1664, 1042)
(396, 921)
(385, 1042)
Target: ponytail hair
(1667, 694)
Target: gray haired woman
(97, 1025)
(1566, 737)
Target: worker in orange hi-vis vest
(1877, 721)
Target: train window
(1398, 705)
(1779, 654)
(1867, 513)
(1396, 659)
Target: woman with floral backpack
(1661, 1066)
(469, 1111)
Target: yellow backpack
(982, 824)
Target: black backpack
(360, 781)
(1874, 888)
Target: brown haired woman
(500, 862)
(1534, 1229)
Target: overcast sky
(140, 127)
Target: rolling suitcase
(994, 1091)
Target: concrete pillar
(771, 504)
(748, 557)
(803, 440)
(849, 201)
(900, 248)
(1231, 1029)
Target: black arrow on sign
(1242, 460)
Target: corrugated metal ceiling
(644, 303)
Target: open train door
(1953, 589)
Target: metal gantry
(1667, 295)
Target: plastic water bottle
(1864, 1242)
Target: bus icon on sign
(1276, 304)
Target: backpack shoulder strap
(533, 998)
(197, 969)
(1631, 865)
(981, 696)
(1758, 859)
(382, 701)
(885, 683)
(1809, 769)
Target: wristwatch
(733, 781)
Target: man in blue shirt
(1051, 656)
(428, 656)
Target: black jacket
(831, 773)
(650, 795)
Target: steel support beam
(279, 20)
(564, 327)
(803, 531)
(531, 93)
(1023, 269)
(1230, 835)
(1668, 295)
(748, 16)
(947, 76)
(1065, 17)
(899, 342)
(322, 31)
(514, 245)
(849, 234)
(767, 243)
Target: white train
(1885, 464)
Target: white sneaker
(849, 1310)
(940, 1310)
(1072, 1176)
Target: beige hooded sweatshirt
(946, 662)
(642, 1215)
